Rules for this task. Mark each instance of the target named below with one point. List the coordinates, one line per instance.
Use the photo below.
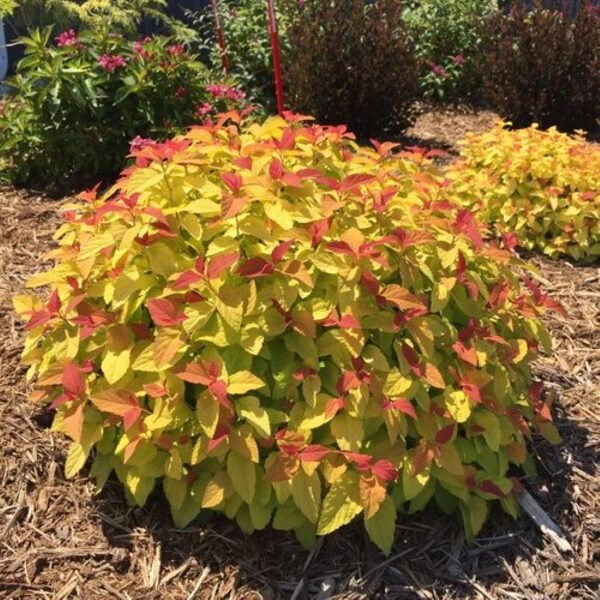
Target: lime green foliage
(123, 16)
(274, 323)
(7, 7)
(543, 186)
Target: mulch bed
(60, 540)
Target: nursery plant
(352, 62)
(542, 66)
(542, 186)
(79, 100)
(269, 321)
(448, 36)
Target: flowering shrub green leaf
(77, 103)
(543, 186)
(271, 322)
(447, 36)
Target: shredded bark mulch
(59, 540)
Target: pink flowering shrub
(82, 102)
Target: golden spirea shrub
(542, 186)
(272, 322)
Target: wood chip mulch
(59, 540)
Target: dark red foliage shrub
(541, 66)
(351, 62)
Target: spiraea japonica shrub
(271, 322)
(542, 186)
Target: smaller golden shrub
(543, 186)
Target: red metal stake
(274, 35)
(220, 36)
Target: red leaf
(275, 169)
(38, 317)
(256, 267)
(220, 263)
(347, 381)
(469, 355)
(402, 405)
(361, 461)
(72, 380)
(444, 435)
(203, 373)
(279, 252)
(333, 406)
(232, 180)
(465, 223)
(410, 355)
(385, 470)
(186, 279)
(245, 162)
(314, 453)
(218, 389)
(165, 312)
(349, 321)
(490, 487)
(288, 140)
(317, 230)
(155, 390)
(54, 303)
(131, 417)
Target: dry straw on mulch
(59, 540)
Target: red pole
(274, 35)
(220, 36)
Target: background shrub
(279, 325)
(76, 106)
(244, 24)
(541, 66)
(122, 16)
(351, 62)
(543, 186)
(447, 36)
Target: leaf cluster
(542, 186)
(272, 322)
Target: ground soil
(59, 540)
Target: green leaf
(242, 382)
(340, 505)
(306, 492)
(242, 473)
(76, 457)
(175, 491)
(249, 408)
(381, 527)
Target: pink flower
(139, 47)
(458, 60)
(112, 62)
(437, 70)
(203, 109)
(220, 90)
(176, 49)
(67, 38)
(180, 92)
(138, 142)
